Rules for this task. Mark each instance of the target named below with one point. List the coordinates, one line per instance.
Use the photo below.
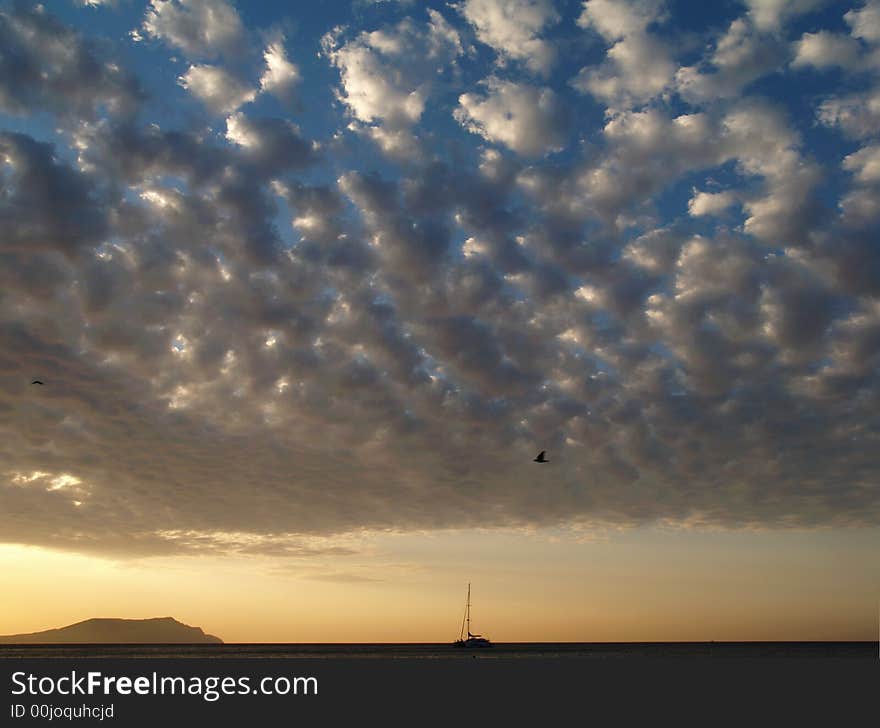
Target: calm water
(525, 651)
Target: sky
(309, 286)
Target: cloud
(513, 29)
(783, 212)
(273, 145)
(616, 19)
(771, 15)
(710, 203)
(387, 74)
(199, 28)
(861, 204)
(45, 204)
(860, 207)
(47, 66)
(217, 88)
(281, 77)
(865, 22)
(257, 336)
(531, 121)
(742, 55)
(638, 65)
(864, 164)
(857, 115)
(643, 151)
(826, 50)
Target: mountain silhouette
(158, 630)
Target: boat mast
(469, 611)
(461, 631)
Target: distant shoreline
(115, 631)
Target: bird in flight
(36, 381)
(541, 458)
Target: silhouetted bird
(36, 381)
(541, 458)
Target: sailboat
(472, 640)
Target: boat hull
(472, 643)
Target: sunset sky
(309, 285)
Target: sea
(445, 651)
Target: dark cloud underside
(248, 336)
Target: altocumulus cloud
(261, 327)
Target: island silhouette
(157, 630)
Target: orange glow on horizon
(639, 586)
